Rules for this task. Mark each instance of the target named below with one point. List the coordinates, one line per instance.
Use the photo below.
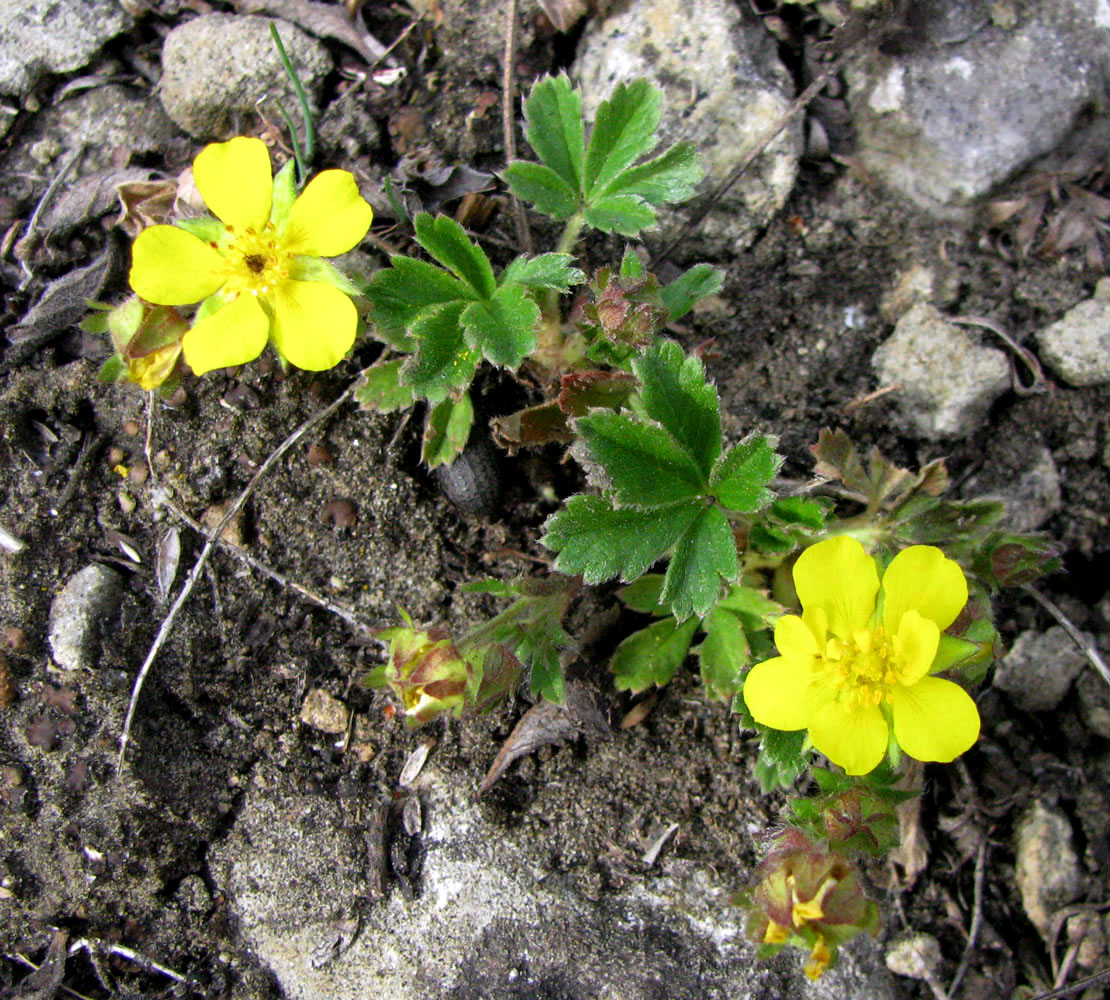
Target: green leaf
(601, 542)
(546, 677)
(668, 178)
(770, 539)
(446, 429)
(753, 607)
(724, 655)
(203, 228)
(652, 655)
(285, 192)
(676, 394)
(381, 388)
(442, 361)
(447, 241)
(553, 110)
(644, 464)
(643, 595)
(543, 188)
(503, 329)
(782, 758)
(548, 270)
(318, 269)
(740, 479)
(682, 294)
(800, 511)
(490, 585)
(620, 213)
(632, 268)
(624, 130)
(705, 553)
(404, 291)
(113, 370)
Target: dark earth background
(232, 763)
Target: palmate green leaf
(620, 213)
(724, 655)
(442, 361)
(652, 655)
(543, 188)
(740, 479)
(401, 292)
(448, 243)
(545, 679)
(446, 430)
(503, 328)
(548, 270)
(553, 110)
(381, 388)
(645, 466)
(682, 294)
(643, 595)
(704, 554)
(677, 395)
(668, 178)
(600, 542)
(624, 130)
(782, 758)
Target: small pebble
(15, 638)
(339, 513)
(325, 712)
(42, 733)
(138, 474)
(319, 455)
(127, 503)
(116, 455)
(130, 428)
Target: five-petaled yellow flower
(259, 274)
(857, 660)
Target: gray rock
(1034, 496)
(217, 68)
(948, 380)
(1039, 669)
(491, 921)
(970, 102)
(1077, 346)
(1048, 872)
(723, 87)
(1094, 703)
(76, 614)
(53, 36)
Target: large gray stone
(969, 102)
(948, 379)
(78, 612)
(53, 36)
(219, 70)
(1048, 871)
(491, 920)
(723, 88)
(1077, 346)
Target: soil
(124, 859)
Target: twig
(976, 919)
(1094, 657)
(1075, 987)
(206, 552)
(23, 960)
(1040, 383)
(88, 446)
(122, 951)
(508, 119)
(799, 105)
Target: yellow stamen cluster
(862, 668)
(257, 262)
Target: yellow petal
(236, 183)
(839, 577)
(779, 692)
(925, 579)
(314, 324)
(915, 646)
(234, 335)
(854, 738)
(171, 267)
(329, 218)
(794, 638)
(934, 719)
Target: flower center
(863, 668)
(257, 261)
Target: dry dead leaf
(912, 852)
(324, 20)
(547, 723)
(87, 199)
(144, 203)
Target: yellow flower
(857, 660)
(258, 270)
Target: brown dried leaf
(87, 199)
(547, 723)
(537, 425)
(144, 203)
(324, 20)
(563, 14)
(46, 980)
